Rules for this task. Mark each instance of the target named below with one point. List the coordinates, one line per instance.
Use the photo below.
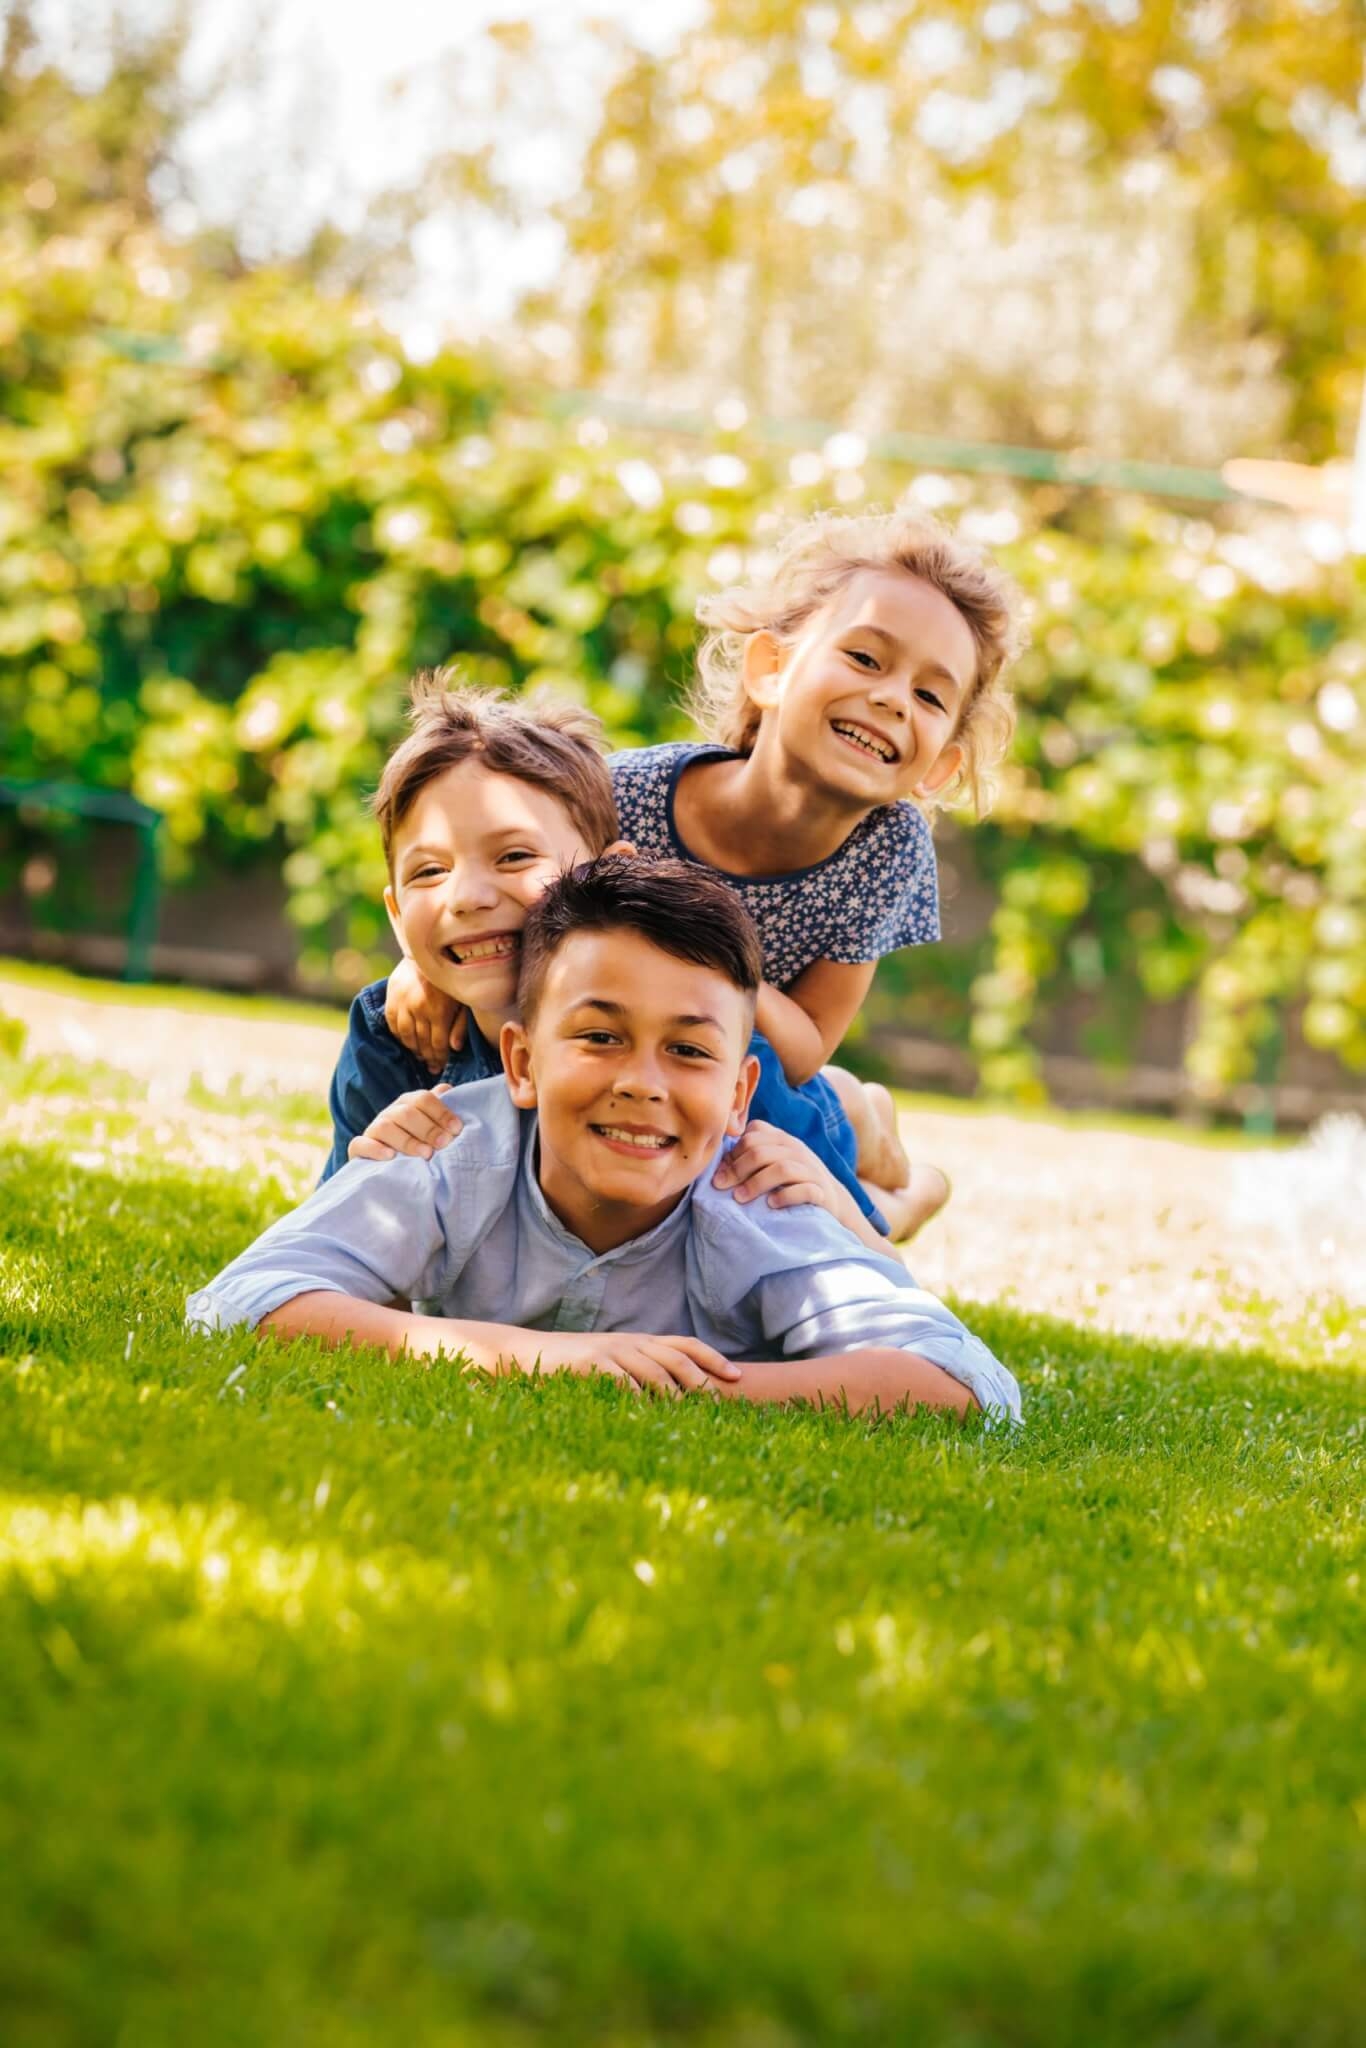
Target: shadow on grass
(261, 1780)
(350, 1697)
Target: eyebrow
(935, 668)
(689, 1023)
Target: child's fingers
(404, 1141)
(432, 1054)
(648, 1371)
(709, 1359)
(799, 1194)
(366, 1147)
(611, 1372)
(740, 1166)
(774, 1173)
(686, 1375)
(425, 1125)
(446, 1118)
(744, 1152)
(403, 1021)
(455, 1037)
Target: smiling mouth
(645, 1144)
(866, 742)
(498, 946)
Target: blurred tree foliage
(235, 515)
(1045, 220)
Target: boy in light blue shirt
(574, 1226)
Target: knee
(853, 1097)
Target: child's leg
(907, 1208)
(907, 1193)
(872, 1114)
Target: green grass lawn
(345, 1703)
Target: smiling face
(636, 1063)
(865, 703)
(470, 857)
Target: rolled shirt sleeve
(852, 1305)
(794, 1283)
(376, 1231)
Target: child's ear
(949, 764)
(746, 1081)
(515, 1047)
(395, 919)
(762, 670)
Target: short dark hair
(680, 908)
(537, 738)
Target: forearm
(858, 1380)
(794, 1036)
(344, 1319)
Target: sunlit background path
(1118, 1227)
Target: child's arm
(806, 1022)
(422, 1017)
(372, 1073)
(769, 1161)
(670, 1365)
(882, 1381)
(416, 1123)
(855, 1380)
(795, 1286)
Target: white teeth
(868, 741)
(488, 949)
(642, 1140)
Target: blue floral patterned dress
(877, 892)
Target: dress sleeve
(625, 771)
(894, 899)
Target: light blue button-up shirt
(468, 1233)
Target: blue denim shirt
(468, 1233)
(375, 1068)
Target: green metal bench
(78, 799)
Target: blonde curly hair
(812, 564)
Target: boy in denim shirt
(479, 808)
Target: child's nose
(470, 886)
(892, 693)
(639, 1076)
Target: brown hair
(815, 561)
(536, 738)
(682, 909)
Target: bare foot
(889, 1164)
(907, 1209)
(879, 1155)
